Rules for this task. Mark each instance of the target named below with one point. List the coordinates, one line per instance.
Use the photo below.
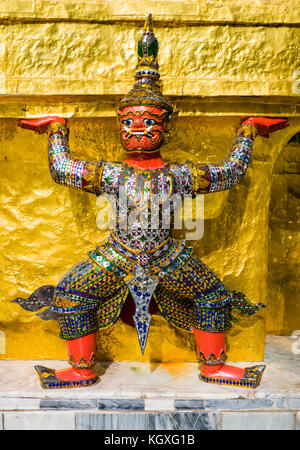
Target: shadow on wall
(284, 242)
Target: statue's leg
(76, 301)
(211, 319)
(194, 298)
(82, 357)
(211, 350)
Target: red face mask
(142, 128)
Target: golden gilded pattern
(212, 359)
(82, 363)
(54, 127)
(64, 302)
(247, 131)
(201, 178)
(204, 133)
(89, 179)
(91, 72)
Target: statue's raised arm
(224, 175)
(64, 169)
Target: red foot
(266, 125)
(40, 125)
(223, 371)
(74, 374)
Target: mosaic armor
(141, 258)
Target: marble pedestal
(154, 396)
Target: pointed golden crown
(147, 89)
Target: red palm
(39, 125)
(266, 125)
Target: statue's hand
(39, 125)
(266, 125)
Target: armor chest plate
(145, 187)
(144, 203)
(146, 200)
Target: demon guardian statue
(140, 258)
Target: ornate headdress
(147, 90)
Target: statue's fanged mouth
(138, 134)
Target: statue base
(155, 396)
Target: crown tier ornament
(147, 89)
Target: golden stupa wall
(219, 61)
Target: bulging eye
(128, 122)
(149, 122)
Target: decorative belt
(156, 260)
(143, 257)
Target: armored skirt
(92, 294)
